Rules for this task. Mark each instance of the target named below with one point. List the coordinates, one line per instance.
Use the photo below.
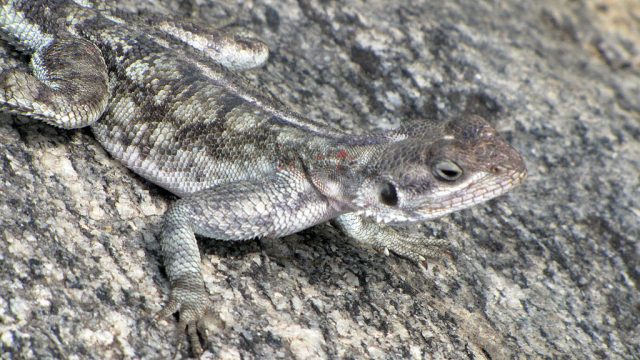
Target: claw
(189, 297)
(203, 331)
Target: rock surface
(550, 270)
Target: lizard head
(433, 170)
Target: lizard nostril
(497, 169)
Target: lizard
(163, 97)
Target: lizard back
(175, 116)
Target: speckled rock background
(550, 270)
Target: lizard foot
(415, 248)
(190, 298)
(385, 238)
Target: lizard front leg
(276, 206)
(68, 83)
(384, 237)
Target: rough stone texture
(550, 270)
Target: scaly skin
(160, 96)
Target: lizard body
(161, 97)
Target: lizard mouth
(476, 191)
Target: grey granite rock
(550, 270)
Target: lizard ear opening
(388, 194)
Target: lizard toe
(191, 300)
(418, 249)
(169, 309)
(194, 340)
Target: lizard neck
(339, 167)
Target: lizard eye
(388, 194)
(447, 170)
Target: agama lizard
(161, 97)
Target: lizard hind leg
(235, 51)
(67, 85)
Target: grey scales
(161, 96)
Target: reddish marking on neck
(342, 154)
